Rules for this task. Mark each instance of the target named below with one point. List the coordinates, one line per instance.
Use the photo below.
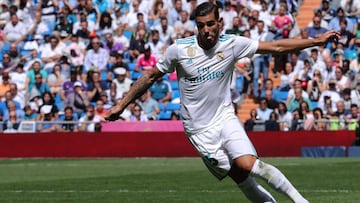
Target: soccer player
(204, 64)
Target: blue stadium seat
(128, 34)
(6, 47)
(174, 85)
(136, 75)
(283, 95)
(161, 106)
(239, 83)
(172, 106)
(165, 115)
(313, 104)
(131, 66)
(175, 94)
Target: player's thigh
(235, 140)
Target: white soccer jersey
(204, 77)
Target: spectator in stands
(269, 85)
(305, 73)
(48, 102)
(145, 61)
(316, 29)
(261, 61)
(106, 24)
(228, 15)
(341, 112)
(29, 114)
(16, 96)
(14, 54)
(95, 86)
(237, 27)
(263, 111)
(355, 94)
(296, 123)
(82, 30)
(111, 45)
(347, 37)
(38, 27)
(157, 46)
(271, 103)
(92, 12)
(39, 86)
(342, 81)
(296, 101)
(284, 117)
(121, 38)
(5, 84)
(352, 118)
(88, 122)
(121, 82)
(69, 119)
(160, 91)
(150, 106)
(12, 123)
(55, 80)
(307, 116)
(334, 23)
(329, 71)
(272, 124)
(291, 93)
(184, 24)
(327, 12)
(166, 31)
(10, 105)
(51, 53)
(316, 86)
(14, 31)
(154, 12)
(281, 22)
(329, 98)
(321, 123)
(18, 77)
(99, 108)
(47, 121)
(175, 12)
(107, 103)
(97, 57)
(287, 77)
(346, 96)
(7, 64)
(77, 98)
(323, 23)
(251, 122)
(137, 45)
(64, 27)
(137, 114)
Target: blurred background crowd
(64, 63)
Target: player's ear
(220, 20)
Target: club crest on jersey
(220, 55)
(191, 51)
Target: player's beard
(209, 40)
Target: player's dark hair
(205, 9)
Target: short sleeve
(245, 47)
(168, 61)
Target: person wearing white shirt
(14, 31)
(51, 54)
(97, 57)
(184, 24)
(228, 15)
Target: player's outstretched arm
(288, 45)
(137, 89)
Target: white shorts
(221, 144)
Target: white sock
(255, 192)
(277, 180)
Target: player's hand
(332, 36)
(113, 114)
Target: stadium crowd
(71, 60)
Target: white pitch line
(162, 191)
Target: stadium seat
(161, 106)
(136, 75)
(314, 104)
(172, 106)
(6, 47)
(131, 66)
(165, 115)
(283, 95)
(175, 94)
(127, 34)
(174, 85)
(239, 83)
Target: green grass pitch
(165, 180)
